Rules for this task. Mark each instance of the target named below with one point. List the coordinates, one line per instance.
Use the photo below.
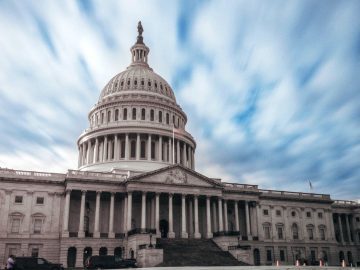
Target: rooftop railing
(294, 194)
(31, 174)
(345, 202)
(97, 175)
(240, 186)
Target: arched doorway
(103, 251)
(118, 252)
(71, 257)
(132, 253)
(256, 257)
(87, 254)
(350, 259)
(164, 228)
(341, 256)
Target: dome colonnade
(137, 124)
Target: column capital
(68, 191)
(83, 191)
(129, 192)
(112, 193)
(98, 192)
(171, 194)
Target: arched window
(151, 115)
(134, 114)
(133, 149)
(293, 213)
(116, 115)
(103, 251)
(102, 118)
(122, 83)
(128, 82)
(350, 258)
(160, 116)
(122, 150)
(173, 120)
(142, 82)
(295, 231)
(310, 231)
(149, 83)
(143, 114)
(109, 116)
(152, 150)
(143, 149)
(341, 256)
(167, 119)
(135, 82)
(125, 114)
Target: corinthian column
(196, 210)
(66, 213)
(160, 156)
(208, 218)
(143, 212)
(236, 208)
(96, 150)
(149, 147)
(157, 214)
(184, 154)
(226, 216)
(127, 147)
(97, 215)
(105, 158)
(129, 210)
(221, 228)
(111, 216)
(247, 217)
(171, 233)
(177, 152)
(81, 232)
(183, 217)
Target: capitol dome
(136, 125)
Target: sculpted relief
(176, 177)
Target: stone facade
(137, 182)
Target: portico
(173, 202)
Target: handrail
(97, 175)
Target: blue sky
(271, 88)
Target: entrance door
(164, 228)
(256, 257)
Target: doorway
(164, 228)
(256, 256)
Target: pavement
(283, 267)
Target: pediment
(176, 175)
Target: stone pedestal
(171, 235)
(149, 257)
(184, 235)
(197, 235)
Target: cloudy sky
(271, 88)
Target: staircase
(195, 252)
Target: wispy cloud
(270, 88)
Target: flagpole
(173, 145)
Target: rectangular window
(278, 213)
(357, 219)
(266, 212)
(37, 225)
(267, 232)
(35, 252)
(268, 255)
(15, 225)
(282, 255)
(320, 215)
(39, 200)
(310, 233)
(18, 199)
(280, 233)
(308, 214)
(322, 233)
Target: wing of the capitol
(136, 194)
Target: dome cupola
(132, 125)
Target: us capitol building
(136, 185)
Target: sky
(271, 88)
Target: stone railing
(96, 175)
(344, 202)
(31, 175)
(302, 195)
(240, 186)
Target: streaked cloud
(270, 88)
